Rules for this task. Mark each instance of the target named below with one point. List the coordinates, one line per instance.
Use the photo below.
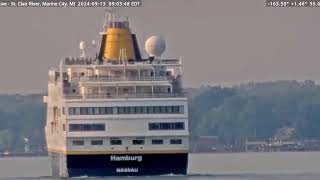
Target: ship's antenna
(180, 67)
(82, 47)
(93, 49)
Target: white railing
(123, 96)
(113, 79)
(91, 61)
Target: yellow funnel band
(118, 39)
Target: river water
(235, 166)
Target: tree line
(233, 114)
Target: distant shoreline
(23, 155)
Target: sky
(221, 42)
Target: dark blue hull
(119, 164)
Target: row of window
(166, 126)
(102, 126)
(87, 127)
(126, 110)
(119, 142)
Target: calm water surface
(238, 166)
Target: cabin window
(156, 109)
(157, 141)
(169, 109)
(97, 142)
(74, 127)
(154, 126)
(83, 111)
(96, 111)
(178, 126)
(98, 127)
(109, 110)
(116, 142)
(163, 109)
(77, 111)
(175, 109)
(90, 110)
(181, 109)
(150, 110)
(86, 127)
(175, 141)
(132, 110)
(144, 109)
(115, 110)
(121, 110)
(138, 110)
(138, 142)
(78, 142)
(126, 110)
(166, 126)
(102, 110)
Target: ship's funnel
(118, 44)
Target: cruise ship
(115, 113)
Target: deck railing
(91, 61)
(124, 96)
(113, 79)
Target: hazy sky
(221, 41)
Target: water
(238, 166)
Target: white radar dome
(155, 46)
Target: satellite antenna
(155, 46)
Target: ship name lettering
(127, 170)
(125, 158)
